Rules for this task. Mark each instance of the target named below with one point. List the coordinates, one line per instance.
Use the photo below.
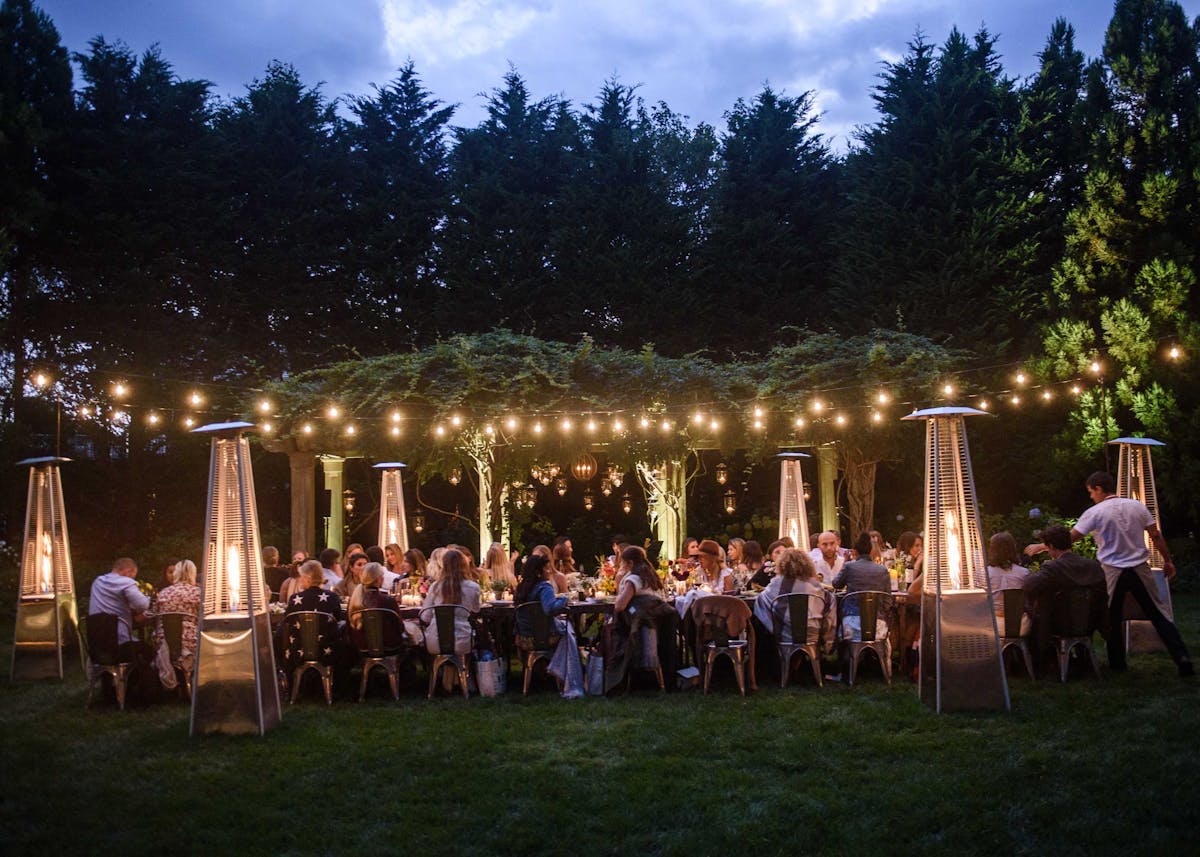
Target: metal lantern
(626, 504)
(47, 621)
(455, 475)
(393, 529)
(722, 473)
(588, 500)
(606, 487)
(793, 492)
(730, 502)
(584, 467)
(560, 485)
(961, 665)
(615, 475)
(1135, 480)
(418, 521)
(236, 690)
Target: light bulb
(1047, 395)
(152, 419)
(267, 428)
(1095, 367)
(698, 418)
(350, 429)
(188, 422)
(591, 425)
(307, 428)
(41, 379)
(196, 399)
(334, 412)
(618, 426)
(948, 389)
(841, 419)
(489, 430)
(883, 398)
(876, 417)
(456, 421)
(439, 430)
(758, 412)
(395, 431)
(714, 426)
(666, 425)
(1016, 400)
(1174, 353)
(817, 406)
(758, 424)
(644, 423)
(511, 424)
(799, 422)
(537, 428)
(264, 406)
(120, 391)
(1075, 389)
(395, 416)
(566, 424)
(983, 405)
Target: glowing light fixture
(393, 529)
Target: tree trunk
(859, 475)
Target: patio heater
(47, 621)
(393, 526)
(236, 689)
(961, 667)
(1135, 480)
(793, 515)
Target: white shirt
(118, 595)
(825, 572)
(1007, 578)
(331, 579)
(1119, 525)
(639, 588)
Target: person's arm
(624, 595)
(1156, 539)
(839, 579)
(138, 602)
(551, 603)
(727, 582)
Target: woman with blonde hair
(563, 563)
(182, 596)
(434, 566)
(499, 567)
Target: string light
(85, 412)
(118, 416)
(698, 418)
(799, 422)
(395, 431)
(591, 425)
(1095, 367)
(120, 391)
(334, 412)
(618, 426)
(456, 421)
(1020, 377)
(537, 428)
(1174, 353)
(758, 412)
(566, 424)
(265, 406)
(267, 428)
(758, 424)
(666, 425)
(511, 423)
(439, 430)
(817, 405)
(488, 429)
(395, 416)
(714, 426)
(41, 380)
(948, 389)
(883, 398)
(1047, 395)
(983, 404)
(1016, 400)
(644, 423)
(841, 419)
(152, 418)
(350, 430)
(307, 428)
(876, 416)
(188, 422)
(196, 399)
(1075, 389)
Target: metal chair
(539, 645)
(445, 619)
(714, 639)
(796, 606)
(1073, 615)
(374, 652)
(648, 659)
(1010, 629)
(103, 645)
(869, 602)
(312, 633)
(171, 627)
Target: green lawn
(1091, 767)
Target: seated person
(332, 568)
(350, 580)
(116, 594)
(182, 596)
(274, 573)
(537, 585)
(717, 575)
(312, 596)
(796, 574)
(371, 596)
(452, 587)
(1004, 572)
(862, 575)
(1065, 571)
(641, 603)
(829, 558)
(758, 576)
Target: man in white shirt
(1120, 526)
(828, 557)
(117, 594)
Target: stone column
(332, 465)
(304, 501)
(827, 486)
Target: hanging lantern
(626, 503)
(348, 501)
(793, 495)
(553, 469)
(236, 689)
(606, 487)
(807, 490)
(615, 475)
(418, 521)
(530, 496)
(584, 467)
(455, 476)
(47, 621)
(961, 665)
(722, 473)
(730, 502)
(588, 500)
(560, 485)
(1135, 480)
(393, 529)
(535, 472)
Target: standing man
(1120, 526)
(827, 557)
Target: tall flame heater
(793, 516)
(47, 621)
(236, 689)
(961, 665)
(1135, 480)
(393, 527)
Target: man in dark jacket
(1065, 571)
(863, 575)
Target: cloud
(442, 32)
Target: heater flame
(47, 579)
(392, 530)
(793, 530)
(233, 576)
(953, 556)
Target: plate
(501, 603)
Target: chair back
(171, 626)
(531, 615)
(102, 638)
(316, 632)
(1014, 608)
(714, 617)
(870, 603)
(797, 606)
(375, 622)
(1074, 611)
(445, 616)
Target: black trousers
(1129, 582)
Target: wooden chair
(869, 603)
(374, 652)
(103, 645)
(445, 620)
(540, 644)
(1073, 615)
(312, 633)
(796, 607)
(171, 626)
(1010, 628)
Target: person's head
(1057, 538)
(185, 571)
(634, 560)
(796, 565)
(752, 555)
(564, 542)
(812, 541)
(618, 540)
(496, 561)
(454, 572)
(353, 548)
(375, 554)
(827, 544)
(862, 546)
(434, 566)
(561, 558)
(299, 557)
(691, 547)
(328, 557)
(270, 556)
(392, 554)
(1101, 485)
(125, 566)
(168, 572)
(415, 561)
(1002, 551)
(356, 564)
(709, 554)
(787, 540)
(466, 552)
(534, 570)
(775, 548)
(733, 550)
(371, 575)
(312, 573)
(877, 545)
(909, 544)
(540, 550)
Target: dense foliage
(150, 227)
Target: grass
(1093, 767)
